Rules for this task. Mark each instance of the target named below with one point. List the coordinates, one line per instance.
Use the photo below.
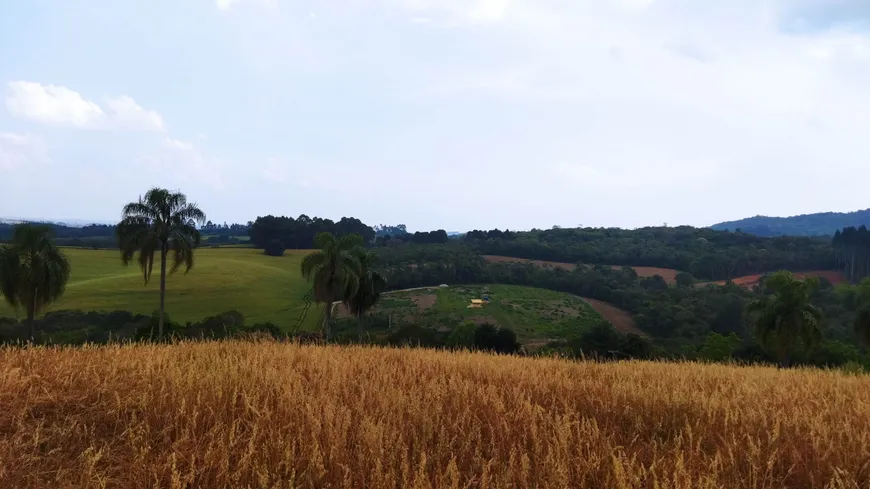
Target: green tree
(685, 279)
(785, 318)
(361, 296)
(33, 271)
(162, 222)
(862, 316)
(462, 336)
(332, 269)
(718, 347)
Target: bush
(414, 335)
(685, 279)
(718, 347)
(274, 248)
(499, 340)
(462, 336)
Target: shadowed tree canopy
(163, 223)
(33, 271)
(785, 318)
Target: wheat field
(275, 415)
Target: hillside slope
(535, 315)
(819, 224)
(262, 288)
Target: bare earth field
(751, 281)
(666, 273)
(272, 415)
(620, 319)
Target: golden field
(273, 415)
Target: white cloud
(50, 104)
(19, 151)
(59, 106)
(125, 113)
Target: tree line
(853, 252)
(705, 253)
(301, 233)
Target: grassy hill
(819, 224)
(262, 288)
(244, 414)
(534, 314)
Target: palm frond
(10, 275)
(311, 263)
(324, 240)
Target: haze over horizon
(450, 114)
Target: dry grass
(276, 415)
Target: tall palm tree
(371, 284)
(862, 318)
(33, 271)
(333, 269)
(162, 222)
(786, 318)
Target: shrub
(462, 336)
(274, 248)
(499, 340)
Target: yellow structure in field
(475, 303)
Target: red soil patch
(670, 275)
(540, 263)
(424, 301)
(620, 319)
(750, 281)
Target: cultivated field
(262, 288)
(533, 314)
(669, 274)
(751, 281)
(621, 319)
(275, 415)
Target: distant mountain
(73, 223)
(820, 224)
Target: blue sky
(452, 114)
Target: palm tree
(162, 222)
(332, 269)
(33, 271)
(371, 284)
(862, 318)
(786, 317)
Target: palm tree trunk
(328, 319)
(360, 327)
(31, 316)
(162, 290)
(786, 359)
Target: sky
(437, 114)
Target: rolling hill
(263, 288)
(819, 224)
(535, 315)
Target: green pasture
(533, 314)
(261, 287)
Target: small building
(475, 303)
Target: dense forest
(853, 249)
(705, 253)
(819, 224)
(299, 233)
